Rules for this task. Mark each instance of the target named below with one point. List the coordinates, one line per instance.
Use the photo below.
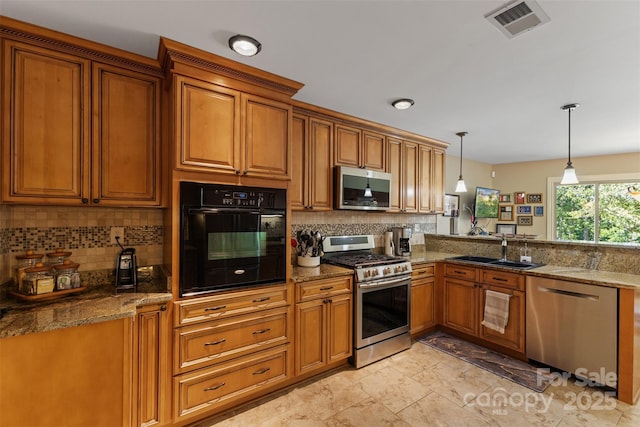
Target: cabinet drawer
(206, 389)
(502, 278)
(459, 271)
(216, 341)
(322, 288)
(230, 304)
(422, 271)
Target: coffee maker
(401, 240)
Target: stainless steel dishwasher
(573, 327)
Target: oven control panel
(367, 274)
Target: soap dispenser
(525, 255)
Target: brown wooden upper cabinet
(359, 148)
(312, 178)
(226, 131)
(56, 153)
(431, 179)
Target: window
(597, 211)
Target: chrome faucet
(504, 247)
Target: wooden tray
(47, 296)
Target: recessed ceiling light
(402, 104)
(244, 45)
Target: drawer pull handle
(460, 272)
(215, 342)
(261, 331)
(422, 272)
(215, 387)
(220, 307)
(262, 299)
(261, 371)
(500, 279)
(326, 288)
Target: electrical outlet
(117, 231)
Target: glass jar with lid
(29, 259)
(67, 276)
(38, 279)
(58, 257)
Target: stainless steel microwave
(361, 189)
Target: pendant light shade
(367, 190)
(460, 186)
(569, 176)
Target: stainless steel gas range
(381, 300)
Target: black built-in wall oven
(231, 237)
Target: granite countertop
(96, 304)
(323, 271)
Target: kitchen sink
(496, 262)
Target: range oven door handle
(225, 210)
(384, 283)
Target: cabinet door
(513, 336)
(425, 168)
(373, 151)
(46, 127)
(422, 309)
(394, 167)
(438, 180)
(347, 146)
(320, 176)
(311, 335)
(267, 136)
(151, 369)
(299, 157)
(126, 136)
(339, 328)
(460, 306)
(208, 127)
(409, 176)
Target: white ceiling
(356, 57)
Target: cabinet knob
(245, 172)
(163, 307)
(85, 200)
(96, 200)
(237, 171)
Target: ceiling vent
(517, 17)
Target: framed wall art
(506, 213)
(519, 197)
(524, 210)
(525, 220)
(451, 205)
(505, 198)
(534, 198)
(538, 211)
(506, 228)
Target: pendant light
(460, 186)
(569, 176)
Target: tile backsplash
(85, 231)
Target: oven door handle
(384, 283)
(225, 210)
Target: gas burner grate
(362, 260)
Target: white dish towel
(496, 310)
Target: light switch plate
(116, 231)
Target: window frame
(553, 182)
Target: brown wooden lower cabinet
(151, 369)
(464, 300)
(422, 299)
(324, 328)
(78, 376)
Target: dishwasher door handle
(569, 293)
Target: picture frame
(534, 198)
(525, 220)
(524, 210)
(538, 211)
(451, 205)
(505, 198)
(506, 213)
(519, 197)
(506, 228)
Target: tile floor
(425, 387)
